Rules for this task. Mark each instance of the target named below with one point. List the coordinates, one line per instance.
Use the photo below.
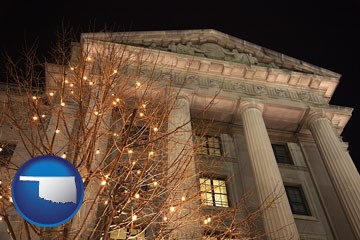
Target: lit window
(213, 192)
(127, 233)
(6, 152)
(282, 153)
(210, 145)
(297, 200)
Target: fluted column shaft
(182, 171)
(341, 169)
(278, 219)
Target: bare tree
(106, 108)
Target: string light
(141, 114)
(0, 197)
(134, 217)
(165, 219)
(137, 196)
(91, 83)
(51, 94)
(156, 129)
(205, 221)
(35, 118)
(72, 92)
(1, 218)
(10, 199)
(97, 151)
(84, 77)
(66, 81)
(138, 84)
(183, 198)
(130, 151)
(88, 58)
(1, 151)
(155, 183)
(63, 104)
(144, 105)
(72, 68)
(151, 154)
(118, 99)
(57, 131)
(106, 202)
(103, 182)
(172, 209)
(96, 113)
(114, 103)
(209, 219)
(34, 97)
(64, 155)
(138, 172)
(71, 85)
(43, 115)
(115, 71)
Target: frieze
(193, 81)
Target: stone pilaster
(341, 169)
(182, 171)
(278, 219)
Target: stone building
(272, 126)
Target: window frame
(290, 160)
(304, 202)
(5, 159)
(204, 140)
(204, 195)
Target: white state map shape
(55, 189)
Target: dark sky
(323, 33)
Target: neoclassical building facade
(270, 123)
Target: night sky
(322, 33)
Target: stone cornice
(323, 86)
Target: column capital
(315, 115)
(250, 103)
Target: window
(210, 145)
(127, 233)
(6, 152)
(282, 153)
(213, 192)
(297, 200)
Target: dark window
(213, 192)
(6, 152)
(282, 153)
(297, 200)
(210, 145)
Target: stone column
(341, 169)
(278, 219)
(182, 171)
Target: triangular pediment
(212, 44)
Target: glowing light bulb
(209, 219)
(156, 129)
(96, 113)
(205, 221)
(91, 83)
(88, 58)
(43, 115)
(151, 154)
(51, 94)
(183, 198)
(115, 71)
(118, 99)
(10, 199)
(138, 84)
(138, 172)
(97, 151)
(130, 151)
(1, 218)
(144, 105)
(34, 97)
(57, 131)
(134, 217)
(72, 68)
(155, 183)
(103, 182)
(0, 151)
(0, 197)
(63, 104)
(85, 77)
(66, 81)
(106, 202)
(114, 103)
(35, 118)
(137, 195)
(71, 85)
(64, 155)
(165, 219)
(72, 92)
(172, 209)
(141, 114)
